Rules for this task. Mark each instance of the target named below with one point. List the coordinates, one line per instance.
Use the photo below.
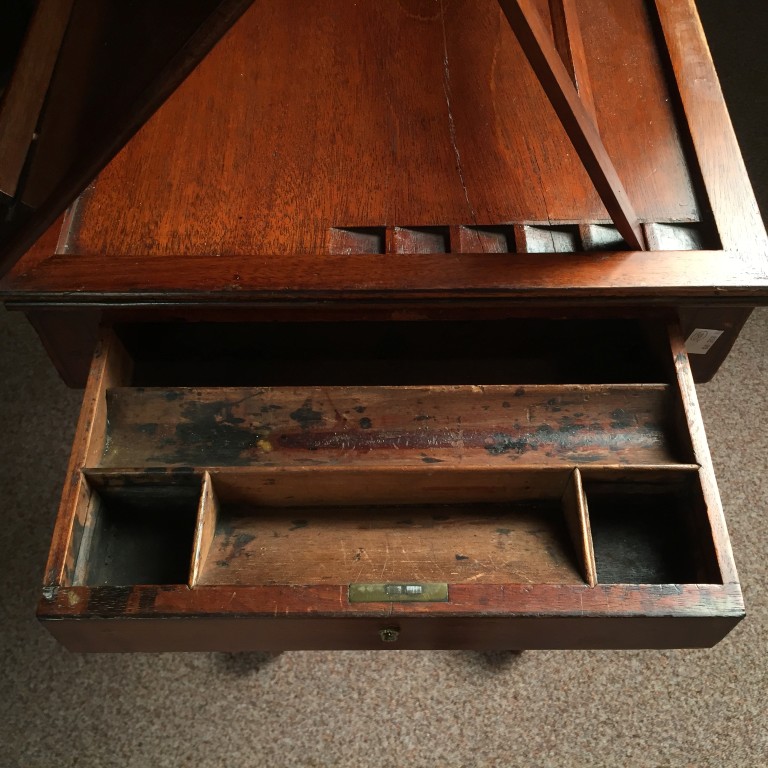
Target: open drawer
(390, 485)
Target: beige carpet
(680, 708)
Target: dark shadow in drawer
(523, 351)
(137, 533)
(651, 533)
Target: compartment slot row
(509, 238)
(257, 526)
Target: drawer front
(283, 513)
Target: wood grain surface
(497, 425)
(410, 113)
(557, 81)
(476, 544)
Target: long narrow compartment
(529, 425)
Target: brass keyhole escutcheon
(389, 635)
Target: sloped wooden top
(329, 116)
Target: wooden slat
(205, 529)
(731, 198)
(611, 600)
(111, 367)
(553, 75)
(649, 277)
(23, 100)
(577, 518)
(570, 46)
(694, 425)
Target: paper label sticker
(701, 341)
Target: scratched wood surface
(502, 425)
(407, 113)
(482, 544)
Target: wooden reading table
(388, 320)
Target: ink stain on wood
(241, 542)
(306, 417)
(462, 557)
(211, 430)
(243, 427)
(622, 419)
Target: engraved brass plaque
(398, 593)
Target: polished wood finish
(176, 228)
(398, 163)
(566, 30)
(100, 93)
(687, 277)
(575, 117)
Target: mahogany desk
(373, 368)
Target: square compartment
(651, 532)
(136, 532)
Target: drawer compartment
(538, 513)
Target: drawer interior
(264, 526)
(281, 477)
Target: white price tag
(701, 341)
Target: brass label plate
(410, 592)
